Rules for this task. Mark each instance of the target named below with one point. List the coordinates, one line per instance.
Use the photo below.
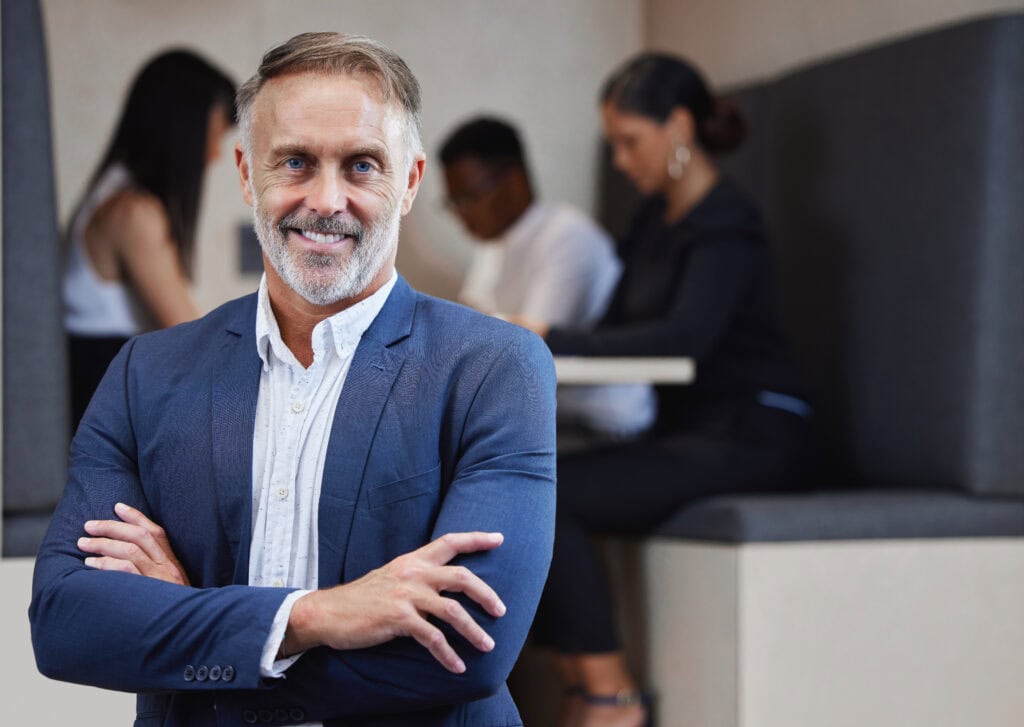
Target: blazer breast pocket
(406, 488)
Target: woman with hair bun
(697, 282)
(131, 239)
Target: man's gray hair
(333, 53)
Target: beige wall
(537, 62)
(739, 40)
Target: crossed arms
(120, 630)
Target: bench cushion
(846, 515)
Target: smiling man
(329, 502)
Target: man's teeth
(323, 239)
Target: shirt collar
(340, 332)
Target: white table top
(631, 370)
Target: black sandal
(622, 698)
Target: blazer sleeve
(123, 631)
(503, 480)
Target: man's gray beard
(325, 279)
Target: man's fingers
(128, 533)
(111, 547)
(115, 564)
(432, 639)
(446, 547)
(135, 517)
(453, 613)
(458, 579)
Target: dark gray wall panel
(35, 419)
(892, 180)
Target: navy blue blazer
(445, 424)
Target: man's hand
(396, 599)
(133, 544)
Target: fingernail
(460, 666)
(91, 524)
(82, 542)
(497, 537)
(120, 507)
(488, 643)
(500, 609)
(91, 562)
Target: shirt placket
(282, 500)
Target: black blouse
(701, 287)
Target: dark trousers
(629, 489)
(88, 358)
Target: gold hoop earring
(678, 161)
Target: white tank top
(94, 306)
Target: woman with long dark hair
(132, 237)
(697, 282)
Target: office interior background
(538, 63)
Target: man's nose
(328, 194)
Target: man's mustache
(347, 226)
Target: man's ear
(413, 181)
(244, 173)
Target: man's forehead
(343, 99)
(327, 85)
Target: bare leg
(603, 675)
(568, 670)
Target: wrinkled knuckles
(451, 610)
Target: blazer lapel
(367, 387)
(236, 380)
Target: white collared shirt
(556, 266)
(294, 414)
(552, 265)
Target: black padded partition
(893, 183)
(35, 419)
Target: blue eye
(363, 167)
(294, 163)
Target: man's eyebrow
(289, 149)
(371, 149)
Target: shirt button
(282, 492)
(297, 406)
(228, 673)
(215, 673)
(190, 673)
(278, 583)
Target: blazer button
(202, 673)
(227, 674)
(266, 716)
(297, 714)
(280, 715)
(190, 673)
(215, 672)
(249, 716)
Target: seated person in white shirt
(536, 260)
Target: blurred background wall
(745, 40)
